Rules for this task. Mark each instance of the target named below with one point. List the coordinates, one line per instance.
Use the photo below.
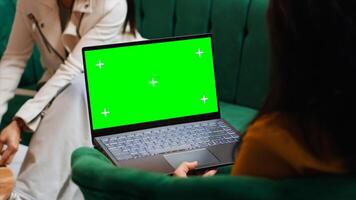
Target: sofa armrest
(99, 179)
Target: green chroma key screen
(150, 82)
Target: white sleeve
(14, 59)
(107, 30)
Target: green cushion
(192, 17)
(7, 12)
(7, 8)
(226, 19)
(325, 187)
(238, 116)
(254, 71)
(156, 21)
(138, 15)
(99, 179)
(239, 34)
(228, 23)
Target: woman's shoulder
(280, 135)
(272, 121)
(275, 126)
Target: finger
(1, 146)
(11, 158)
(210, 173)
(5, 157)
(2, 150)
(2, 156)
(192, 165)
(11, 150)
(2, 142)
(184, 168)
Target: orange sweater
(272, 149)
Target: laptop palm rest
(203, 156)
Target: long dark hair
(130, 17)
(313, 71)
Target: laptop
(153, 104)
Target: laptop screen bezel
(152, 124)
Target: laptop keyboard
(169, 139)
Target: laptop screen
(150, 81)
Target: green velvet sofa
(241, 49)
(98, 179)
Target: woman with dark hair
(57, 113)
(305, 127)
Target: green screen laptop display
(150, 82)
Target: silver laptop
(153, 104)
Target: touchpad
(203, 156)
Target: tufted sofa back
(239, 33)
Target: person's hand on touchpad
(185, 167)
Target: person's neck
(67, 3)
